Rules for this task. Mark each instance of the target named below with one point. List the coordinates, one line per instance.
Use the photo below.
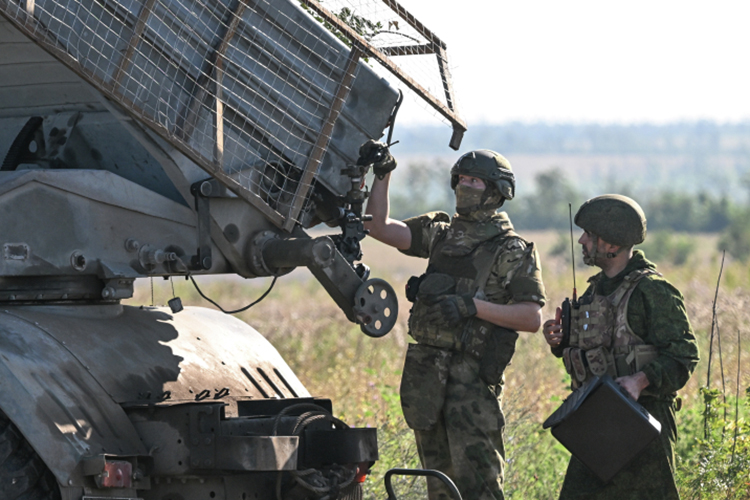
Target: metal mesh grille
(388, 27)
(250, 91)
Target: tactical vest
(446, 275)
(601, 339)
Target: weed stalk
(737, 396)
(708, 400)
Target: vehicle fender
(69, 373)
(53, 399)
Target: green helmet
(616, 219)
(489, 166)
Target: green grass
(362, 375)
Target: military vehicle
(160, 138)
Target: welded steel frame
(321, 143)
(36, 32)
(435, 46)
(188, 116)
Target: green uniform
(452, 382)
(656, 314)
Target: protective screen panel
(267, 96)
(244, 89)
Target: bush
(664, 246)
(420, 188)
(688, 212)
(548, 207)
(714, 462)
(736, 239)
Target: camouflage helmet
(489, 166)
(616, 219)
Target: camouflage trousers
(649, 477)
(466, 443)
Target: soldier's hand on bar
(634, 384)
(379, 156)
(552, 329)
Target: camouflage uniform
(655, 313)
(452, 383)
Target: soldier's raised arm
(384, 229)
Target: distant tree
(424, 187)
(736, 238)
(421, 187)
(665, 246)
(688, 212)
(547, 207)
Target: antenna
(572, 251)
(568, 305)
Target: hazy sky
(632, 61)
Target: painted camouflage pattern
(466, 441)
(656, 313)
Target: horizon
(531, 123)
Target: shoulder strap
(621, 304)
(629, 283)
(440, 237)
(484, 264)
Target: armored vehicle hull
(167, 404)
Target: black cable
(237, 310)
(392, 118)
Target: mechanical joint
(271, 255)
(150, 257)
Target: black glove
(376, 154)
(450, 310)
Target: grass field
(334, 359)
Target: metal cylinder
(296, 252)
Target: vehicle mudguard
(56, 403)
(66, 372)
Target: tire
(23, 475)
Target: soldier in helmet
(483, 284)
(631, 323)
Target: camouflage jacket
(656, 313)
(516, 275)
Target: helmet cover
(491, 167)
(616, 219)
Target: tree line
(694, 138)
(424, 187)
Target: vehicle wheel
(23, 475)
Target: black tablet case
(603, 427)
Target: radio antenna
(572, 251)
